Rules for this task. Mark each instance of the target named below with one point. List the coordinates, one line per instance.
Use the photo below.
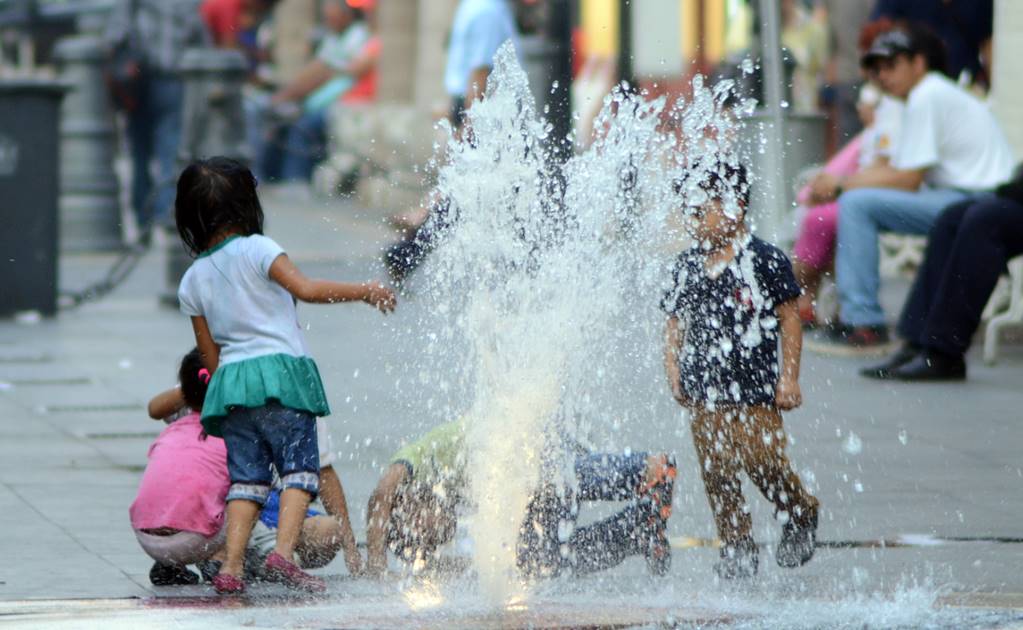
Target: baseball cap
(888, 45)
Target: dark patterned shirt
(730, 351)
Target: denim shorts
(272, 435)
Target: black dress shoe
(883, 371)
(929, 366)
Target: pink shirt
(185, 483)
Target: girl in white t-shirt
(265, 393)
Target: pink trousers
(815, 245)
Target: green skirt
(293, 382)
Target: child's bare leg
(294, 503)
(319, 543)
(332, 494)
(763, 447)
(241, 515)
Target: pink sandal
(227, 584)
(280, 569)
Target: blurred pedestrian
(479, 28)
(950, 147)
(158, 32)
(806, 40)
(234, 24)
(842, 73)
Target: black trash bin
(29, 187)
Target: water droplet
(852, 444)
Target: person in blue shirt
(479, 29)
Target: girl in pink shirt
(178, 514)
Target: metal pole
(559, 101)
(625, 43)
(773, 177)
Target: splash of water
(550, 270)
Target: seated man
(967, 250)
(413, 509)
(951, 147)
(293, 149)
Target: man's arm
(312, 76)
(378, 516)
(827, 187)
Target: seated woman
(814, 250)
(413, 509)
(178, 514)
(345, 62)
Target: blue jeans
(272, 435)
(602, 545)
(294, 150)
(154, 131)
(864, 213)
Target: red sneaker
(227, 584)
(280, 569)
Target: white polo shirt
(953, 135)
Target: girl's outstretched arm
(166, 404)
(285, 273)
(208, 349)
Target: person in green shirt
(413, 510)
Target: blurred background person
(805, 38)
(965, 27)
(296, 140)
(842, 75)
(157, 32)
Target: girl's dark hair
(215, 194)
(193, 384)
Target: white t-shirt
(881, 138)
(249, 314)
(953, 135)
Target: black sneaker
(883, 371)
(171, 575)
(738, 561)
(208, 569)
(798, 542)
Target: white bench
(1005, 308)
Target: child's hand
(380, 296)
(787, 394)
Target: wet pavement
(922, 485)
